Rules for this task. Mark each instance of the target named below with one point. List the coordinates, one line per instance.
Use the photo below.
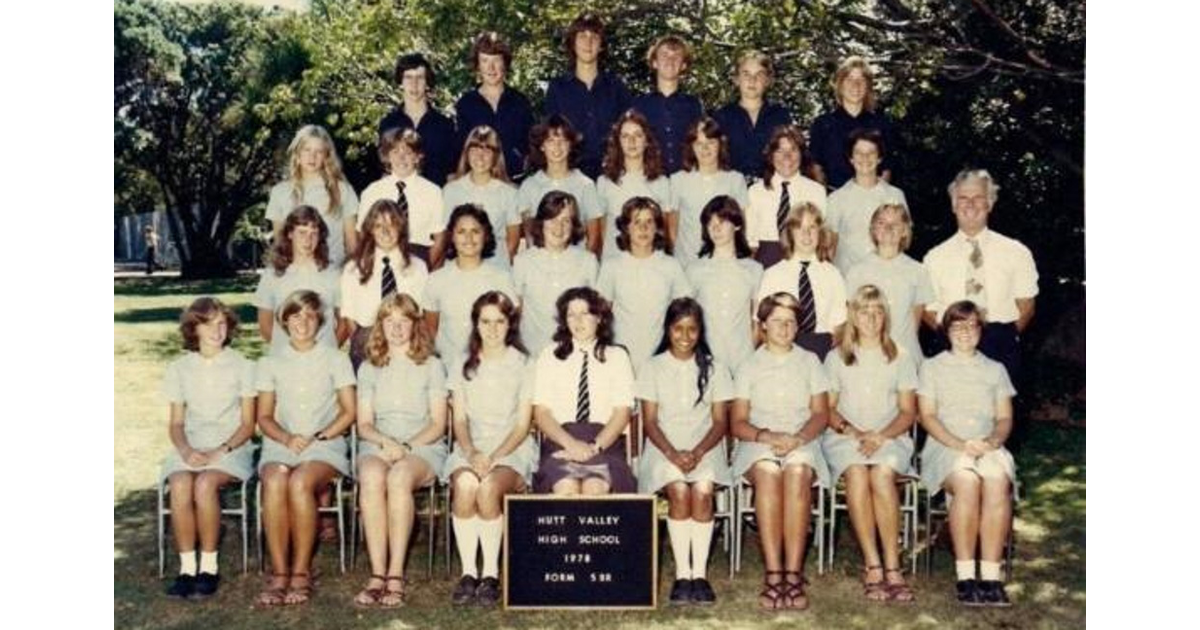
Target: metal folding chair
(239, 509)
(744, 511)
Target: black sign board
(580, 552)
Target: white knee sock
(680, 533)
(965, 569)
(466, 537)
(208, 562)
(187, 563)
(989, 570)
(701, 541)
(490, 533)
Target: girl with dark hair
(299, 260)
(782, 187)
(780, 410)
(453, 289)
(684, 394)
(553, 150)
(211, 394)
(852, 206)
(401, 424)
(492, 392)
(642, 280)
(552, 265)
(705, 176)
(582, 396)
(305, 404)
(633, 167)
(726, 278)
(482, 180)
(381, 267)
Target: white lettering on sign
(599, 520)
(558, 577)
(608, 539)
(554, 519)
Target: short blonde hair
(670, 41)
(298, 301)
(905, 220)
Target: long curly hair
(331, 169)
(614, 157)
(597, 306)
(632, 207)
(678, 309)
(420, 347)
(282, 253)
(475, 343)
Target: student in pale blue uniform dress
(211, 393)
(779, 411)
(850, 208)
(554, 264)
(685, 395)
(482, 179)
(401, 429)
(643, 280)
(904, 282)
(384, 246)
(633, 167)
(493, 404)
(553, 152)
(453, 289)
(299, 260)
(873, 404)
(706, 175)
(966, 407)
(305, 405)
(726, 280)
(314, 178)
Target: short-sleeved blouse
(451, 292)
(640, 290)
(725, 289)
(690, 192)
(399, 394)
(849, 212)
(684, 419)
(305, 386)
(905, 283)
(211, 391)
(780, 388)
(540, 277)
(536, 185)
(360, 301)
(492, 398)
(274, 289)
(282, 200)
(868, 397)
(613, 196)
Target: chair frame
(242, 510)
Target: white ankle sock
(965, 569)
(466, 538)
(680, 533)
(187, 563)
(208, 562)
(701, 541)
(490, 533)
(989, 570)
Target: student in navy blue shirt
(495, 104)
(750, 121)
(415, 77)
(670, 112)
(854, 89)
(587, 97)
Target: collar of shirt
(588, 346)
(777, 179)
(982, 237)
(394, 257)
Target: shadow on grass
(139, 286)
(246, 313)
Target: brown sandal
(898, 590)
(297, 595)
(273, 595)
(796, 598)
(874, 590)
(393, 598)
(369, 596)
(772, 594)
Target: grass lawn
(1048, 587)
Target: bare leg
(886, 501)
(702, 501)
(208, 506)
(966, 488)
(679, 504)
(276, 517)
(372, 498)
(566, 487)
(303, 485)
(404, 478)
(767, 479)
(996, 519)
(862, 517)
(594, 487)
(183, 515)
(501, 481)
(466, 487)
(797, 511)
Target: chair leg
(258, 525)
(162, 522)
(245, 516)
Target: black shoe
(464, 593)
(487, 594)
(702, 592)
(967, 592)
(206, 585)
(991, 593)
(182, 587)
(681, 592)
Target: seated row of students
(579, 393)
(633, 166)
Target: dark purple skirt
(609, 464)
(817, 343)
(769, 253)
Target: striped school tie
(785, 206)
(401, 199)
(583, 407)
(388, 286)
(804, 292)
